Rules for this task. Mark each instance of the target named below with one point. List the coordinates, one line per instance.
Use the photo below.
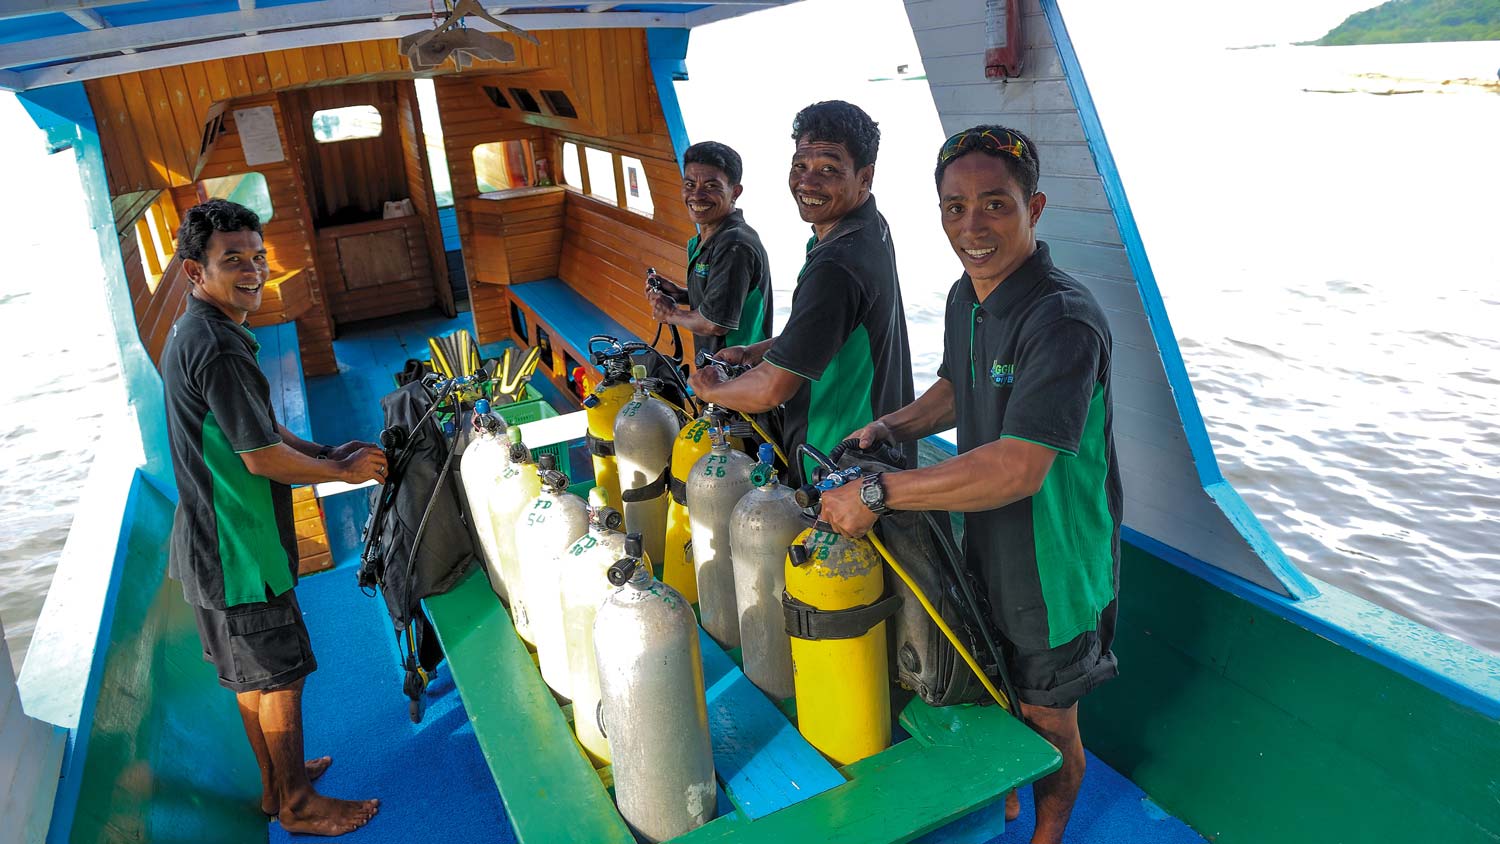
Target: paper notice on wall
(258, 136)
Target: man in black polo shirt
(728, 295)
(1025, 376)
(233, 544)
(842, 360)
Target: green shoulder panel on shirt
(1074, 533)
(839, 402)
(250, 549)
(752, 321)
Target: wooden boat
(1257, 704)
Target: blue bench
(569, 321)
(281, 361)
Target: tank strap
(678, 490)
(804, 621)
(649, 492)
(598, 447)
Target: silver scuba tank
(645, 430)
(585, 585)
(519, 486)
(544, 530)
(765, 522)
(652, 703)
(716, 483)
(483, 460)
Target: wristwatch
(324, 452)
(872, 493)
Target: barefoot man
(233, 545)
(1025, 377)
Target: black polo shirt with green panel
(233, 538)
(846, 335)
(729, 284)
(1032, 362)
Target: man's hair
(838, 122)
(202, 220)
(718, 156)
(1026, 168)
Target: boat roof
(50, 42)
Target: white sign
(258, 136)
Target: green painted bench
(958, 762)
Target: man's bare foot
(319, 815)
(315, 768)
(1012, 805)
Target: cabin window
(572, 170)
(601, 167)
(248, 189)
(559, 103)
(637, 190)
(432, 137)
(332, 125)
(496, 96)
(525, 100)
(503, 165)
(154, 231)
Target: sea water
(1327, 260)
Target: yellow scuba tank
(677, 564)
(601, 406)
(645, 430)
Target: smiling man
(728, 297)
(843, 359)
(233, 544)
(1025, 376)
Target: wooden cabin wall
(419, 188)
(348, 181)
(289, 235)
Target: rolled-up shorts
(257, 647)
(1059, 677)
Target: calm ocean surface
(1328, 261)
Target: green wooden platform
(959, 759)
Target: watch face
(869, 493)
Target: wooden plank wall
(516, 240)
(397, 292)
(349, 181)
(419, 189)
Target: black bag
(923, 658)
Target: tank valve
(626, 569)
(610, 518)
(799, 554)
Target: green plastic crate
(519, 413)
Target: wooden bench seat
(959, 761)
(568, 319)
(281, 361)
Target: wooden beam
(725, 11)
(89, 18)
(242, 45)
(25, 8)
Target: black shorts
(257, 647)
(1059, 677)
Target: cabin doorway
(379, 245)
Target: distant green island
(1408, 21)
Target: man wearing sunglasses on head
(1025, 378)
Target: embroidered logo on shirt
(700, 268)
(1003, 374)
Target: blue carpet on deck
(431, 779)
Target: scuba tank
(483, 460)
(692, 443)
(644, 432)
(544, 529)
(518, 486)
(765, 522)
(602, 405)
(716, 483)
(585, 585)
(652, 703)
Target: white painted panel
(1115, 295)
(954, 39)
(1004, 97)
(1044, 129)
(1091, 258)
(1067, 159)
(927, 15)
(1073, 224)
(1079, 192)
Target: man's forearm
(761, 389)
(757, 351)
(696, 323)
(306, 447)
(930, 413)
(992, 475)
(288, 464)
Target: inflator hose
(999, 696)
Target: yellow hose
(995, 693)
(765, 437)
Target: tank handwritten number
(582, 546)
(713, 465)
(699, 428)
(824, 540)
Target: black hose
(981, 620)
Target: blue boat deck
(431, 778)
